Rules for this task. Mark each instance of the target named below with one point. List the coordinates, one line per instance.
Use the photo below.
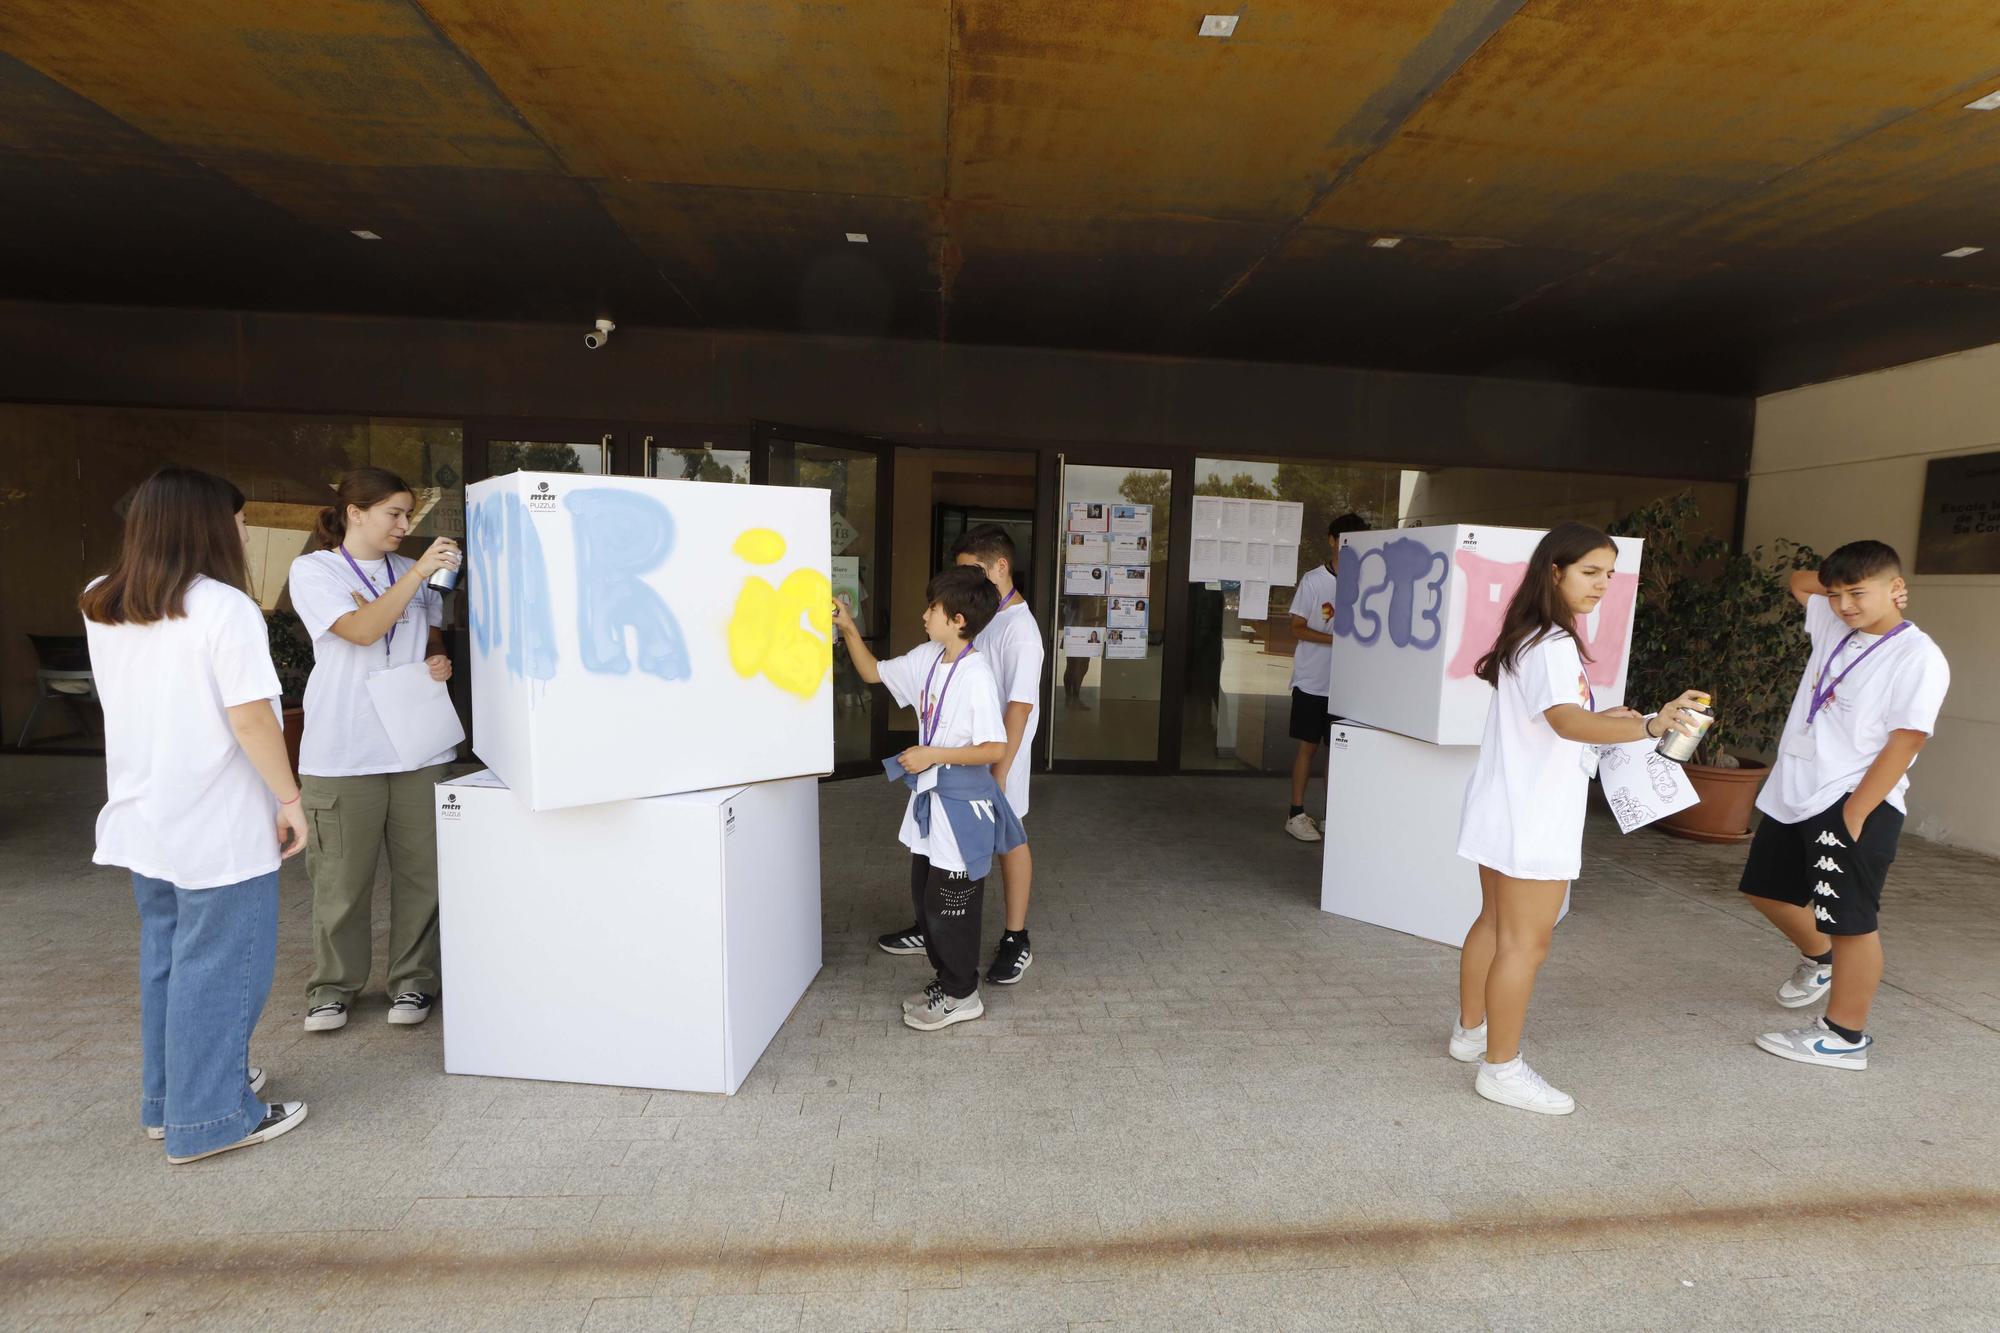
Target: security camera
(599, 336)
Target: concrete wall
(1839, 461)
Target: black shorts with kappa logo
(1811, 864)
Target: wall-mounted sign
(1961, 524)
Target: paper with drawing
(1640, 785)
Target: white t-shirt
(1012, 647)
(184, 803)
(1524, 804)
(970, 715)
(1899, 688)
(344, 737)
(1312, 602)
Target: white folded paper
(416, 711)
(1640, 785)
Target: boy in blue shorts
(1833, 805)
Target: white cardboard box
(657, 943)
(1416, 608)
(1391, 852)
(634, 637)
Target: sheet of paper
(1262, 520)
(416, 711)
(1235, 517)
(1285, 564)
(1131, 520)
(1089, 516)
(1231, 560)
(1131, 580)
(1205, 560)
(1253, 601)
(1257, 559)
(1641, 786)
(1129, 550)
(1127, 613)
(1086, 548)
(1125, 644)
(1084, 581)
(1083, 642)
(1290, 514)
(1207, 515)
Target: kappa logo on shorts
(1826, 839)
(1819, 911)
(1825, 890)
(1829, 865)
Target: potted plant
(292, 655)
(1724, 621)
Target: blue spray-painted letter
(621, 535)
(523, 623)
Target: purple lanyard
(388, 564)
(1012, 593)
(1822, 694)
(933, 712)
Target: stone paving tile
(1208, 1106)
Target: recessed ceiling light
(366, 234)
(858, 237)
(1990, 102)
(1963, 251)
(1219, 25)
(1386, 242)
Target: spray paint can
(446, 577)
(1680, 747)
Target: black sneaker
(326, 1017)
(1011, 959)
(279, 1118)
(411, 1007)
(910, 939)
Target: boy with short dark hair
(1012, 646)
(1312, 671)
(956, 821)
(1833, 804)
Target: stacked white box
(1392, 834)
(1416, 609)
(633, 637)
(631, 895)
(655, 943)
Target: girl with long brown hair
(1523, 813)
(367, 611)
(200, 805)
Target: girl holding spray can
(1524, 805)
(368, 610)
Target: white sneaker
(941, 1011)
(1514, 1084)
(1467, 1044)
(1818, 1044)
(1301, 826)
(410, 1008)
(158, 1132)
(1810, 980)
(326, 1017)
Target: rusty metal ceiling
(1685, 193)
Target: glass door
(1114, 663)
(860, 474)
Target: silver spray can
(1680, 747)
(446, 578)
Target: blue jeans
(205, 963)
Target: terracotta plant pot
(1728, 795)
(295, 731)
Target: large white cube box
(1416, 608)
(656, 943)
(633, 637)
(1391, 854)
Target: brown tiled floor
(1208, 1105)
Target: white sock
(1507, 1067)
